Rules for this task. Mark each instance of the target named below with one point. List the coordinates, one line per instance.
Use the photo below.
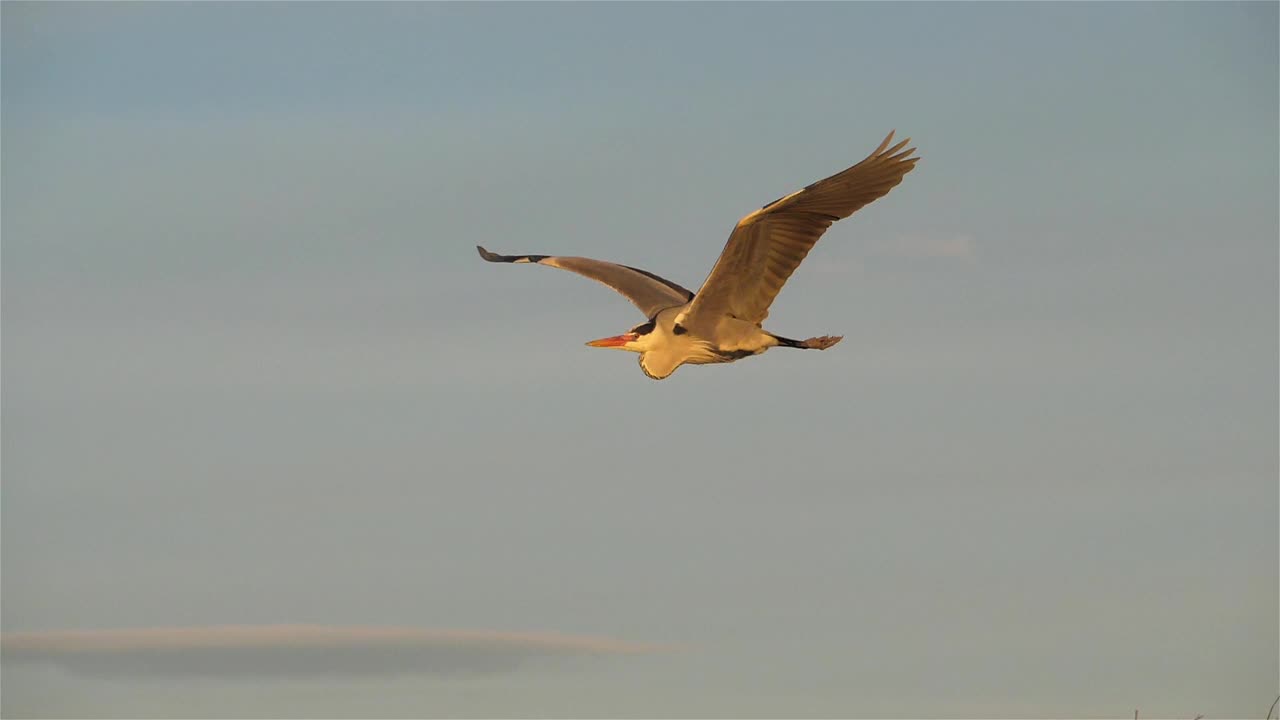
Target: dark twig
(1273, 707)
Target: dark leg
(814, 343)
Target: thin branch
(1273, 707)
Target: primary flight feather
(722, 321)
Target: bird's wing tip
(885, 143)
(490, 256)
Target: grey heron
(722, 322)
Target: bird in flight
(721, 323)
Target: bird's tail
(821, 342)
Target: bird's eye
(644, 329)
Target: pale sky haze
(255, 374)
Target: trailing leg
(814, 343)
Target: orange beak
(615, 341)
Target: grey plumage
(647, 291)
(722, 321)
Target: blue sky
(254, 372)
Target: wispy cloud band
(244, 650)
(959, 246)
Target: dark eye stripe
(644, 329)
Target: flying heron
(721, 323)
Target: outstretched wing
(647, 291)
(766, 246)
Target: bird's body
(662, 350)
(722, 322)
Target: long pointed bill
(615, 341)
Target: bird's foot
(821, 343)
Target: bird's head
(638, 339)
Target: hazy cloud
(824, 266)
(959, 246)
(293, 650)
